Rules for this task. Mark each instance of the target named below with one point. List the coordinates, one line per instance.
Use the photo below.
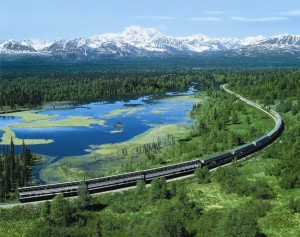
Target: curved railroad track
(44, 192)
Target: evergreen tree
(158, 189)
(294, 205)
(154, 191)
(238, 223)
(60, 211)
(173, 189)
(45, 210)
(140, 187)
(12, 161)
(234, 117)
(202, 175)
(84, 199)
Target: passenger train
(44, 192)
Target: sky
(68, 19)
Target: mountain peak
(140, 33)
(253, 39)
(282, 41)
(196, 37)
(138, 41)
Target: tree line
(15, 169)
(33, 90)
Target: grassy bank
(105, 159)
(30, 116)
(147, 137)
(9, 134)
(125, 111)
(70, 121)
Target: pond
(70, 129)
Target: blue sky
(57, 19)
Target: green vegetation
(117, 112)
(33, 120)
(216, 129)
(28, 91)
(202, 175)
(255, 197)
(30, 116)
(104, 159)
(9, 134)
(280, 86)
(71, 121)
(15, 170)
(181, 208)
(146, 138)
(166, 144)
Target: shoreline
(104, 157)
(71, 166)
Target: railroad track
(45, 192)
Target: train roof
(261, 138)
(242, 146)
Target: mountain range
(138, 41)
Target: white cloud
(205, 19)
(262, 19)
(295, 12)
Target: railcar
(48, 186)
(48, 193)
(261, 141)
(215, 160)
(175, 172)
(44, 192)
(115, 184)
(243, 150)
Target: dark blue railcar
(261, 141)
(243, 150)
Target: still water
(123, 120)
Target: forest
(30, 91)
(220, 124)
(15, 170)
(258, 196)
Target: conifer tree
(60, 211)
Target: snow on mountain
(287, 44)
(137, 41)
(38, 45)
(282, 41)
(11, 46)
(252, 40)
(23, 46)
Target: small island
(118, 125)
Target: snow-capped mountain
(281, 41)
(11, 46)
(138, 41)
(282, 44)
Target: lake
(102, 123)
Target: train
(49, 191)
